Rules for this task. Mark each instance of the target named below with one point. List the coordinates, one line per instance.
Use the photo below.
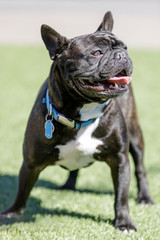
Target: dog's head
(96, 65)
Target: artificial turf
(88, 212)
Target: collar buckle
(62, 119)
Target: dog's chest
(78, 153)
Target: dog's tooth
(116, 85)
(91, 81)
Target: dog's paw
(67, 187)
(125, 225)
(145, 200)
(10, 213)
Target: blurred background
(136, 22)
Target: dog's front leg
(27, 177)
(120, 171)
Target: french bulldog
(85, 112)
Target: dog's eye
(97, 53)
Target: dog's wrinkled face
(96, 66)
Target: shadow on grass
(8, 188)
(50, 185)
(29, 215)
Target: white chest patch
(78, 153)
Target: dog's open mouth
(118, 83)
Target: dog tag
(49, 129)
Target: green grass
(87, 213)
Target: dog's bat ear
(107, 23)
(53, 40)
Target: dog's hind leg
(137, 152)
(71, 181)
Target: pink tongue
(120, 80)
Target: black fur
(90, 58)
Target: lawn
(87, 213)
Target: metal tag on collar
(49, 128)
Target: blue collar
(53, 114)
